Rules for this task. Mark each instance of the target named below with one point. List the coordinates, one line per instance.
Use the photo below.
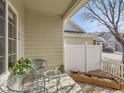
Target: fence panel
(82, 57)
(113, 67)
(74, 58)
(93, 57)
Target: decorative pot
(15, 84)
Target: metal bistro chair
(35, 83)
(53, 80)
(39, 63)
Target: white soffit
(56, 7)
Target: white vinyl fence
(113, 67)
(82, 57)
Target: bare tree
(109, 13)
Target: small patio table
(66, 85)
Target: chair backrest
(40, 63)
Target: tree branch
(97, 16)
(105, 8)
(101, 10)
(111, 11)
(93, 12)
(119, 11)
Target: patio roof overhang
(74, 9)
(63, 8)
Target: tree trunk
(123, 54)
(120, 41)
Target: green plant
(61, 68)
(23, 66)
(108, 50)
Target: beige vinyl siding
(18, 5)
(44, 37)
(79, 38)
(79, 41)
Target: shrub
(23, 66)
(108, 50)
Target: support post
(85, 56)
(101, 55)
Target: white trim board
(9, 4)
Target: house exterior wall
(44, 37)
(79, 41)
(18, 5)
(114, 44)
(79, 38)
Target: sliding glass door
(2, 36)
(11, 38)
(8, 36)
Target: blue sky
(87, 25)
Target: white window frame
(9, 4)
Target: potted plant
(18, 72)
(23, 66)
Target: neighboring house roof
(111, 39)
(70, 26)
(106, 35)
(77, 26)
(79, 35)
(100, 39)
(71, 29)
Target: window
(2, 36)
(8, 43)
(11, 38)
